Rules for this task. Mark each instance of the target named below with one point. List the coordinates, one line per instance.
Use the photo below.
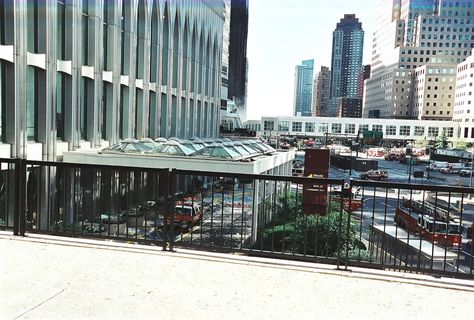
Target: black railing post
(171, 206)
(19, 222)
(164, 182)
(340, 237)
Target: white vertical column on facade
(193, 78)
(205, 85)
(130, 38)
(16, 112)
(180, 119)
(200, 83)
(70, 113)
(76, 63)
(215, 88)
(218, 86)
(144, 41)
(47, 108)
(209, 93)
(114, 39)
(173, 94)
(96, 29)
(165, 92)
(187, 79)
(155, 71)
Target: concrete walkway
(60, 278)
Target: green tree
(421, 143)
(330, 235)
(460, 143)
(442, 141)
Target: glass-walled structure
(87, 73)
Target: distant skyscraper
(239, 24)
(364, 75)
(346, 60)
(410, 34)
(234, 62)
(303, 88)
(321, 93)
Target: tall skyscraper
(234, 63)
(303, 88)
(321, 93)
(239, 24)
(346, 59)
(409, 34)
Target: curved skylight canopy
(198, 144)
(208, 141)
(266, 146)
(148, 144)
(218, 151)
(258, 145)
(128, 146)
(239, 149)
(161, 140)
(190, 145)
(246, 148)
(172, 148)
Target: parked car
(392, 156)
(113, 218)
(374, 175)
(453, 168)
(466, 172)
(437, 165)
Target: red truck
(186, 214)
(431, 223)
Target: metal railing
(370, 224)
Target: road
(379, 205)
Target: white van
(437, 165)
(453, 168)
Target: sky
(282, 33)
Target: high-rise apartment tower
(303, 88)
(346, 60)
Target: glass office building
(84, 74)
(303, 95)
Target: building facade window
(349, 128)
(284, 126)
(323, 128)
(60, 104)
(32, 103)
(433, 131)
(268, 125)
(297, 126)
(419, 130)
(449, 131)
(309, 126)
(377, 127)
(404, 130)
(336, 128)
(363, 127)
(390, 130)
